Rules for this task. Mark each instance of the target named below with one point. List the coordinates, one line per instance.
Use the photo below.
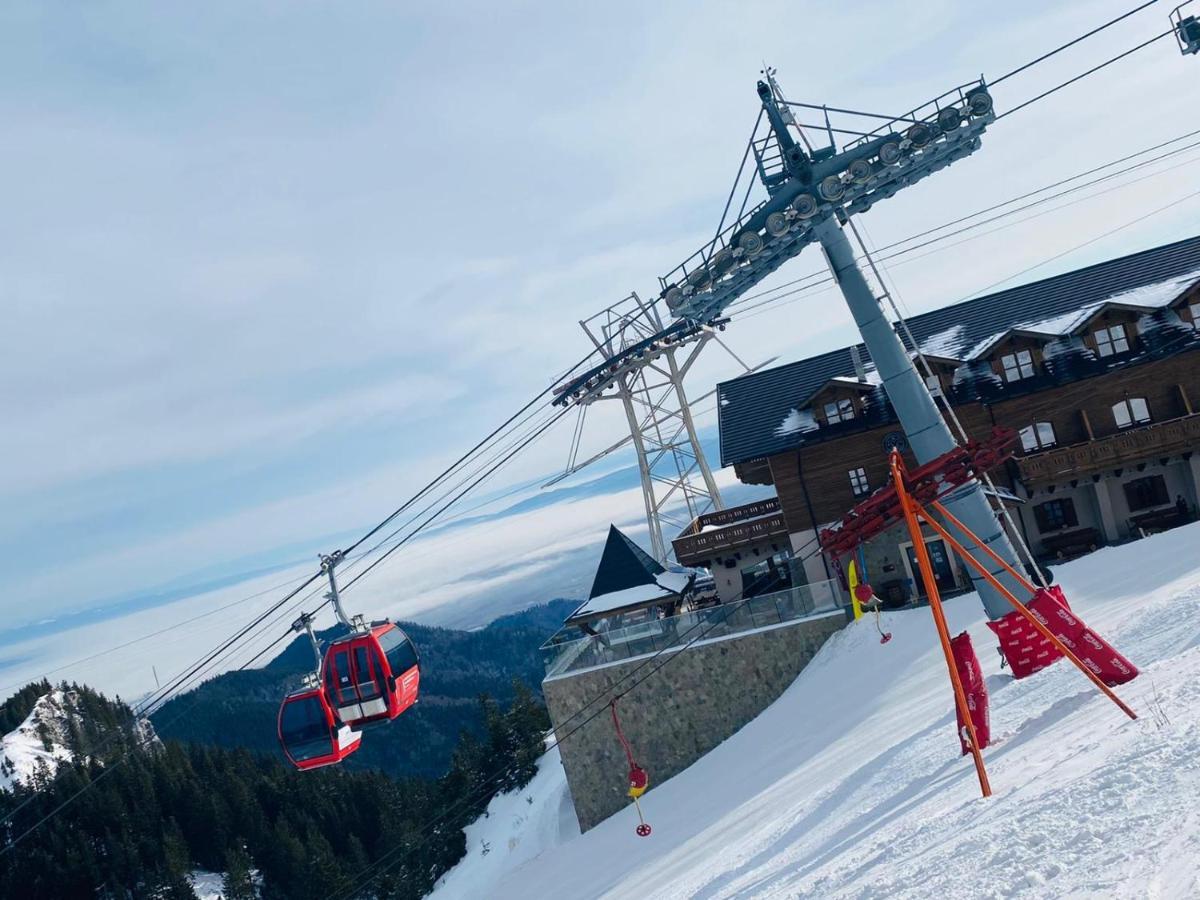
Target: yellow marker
(852, 578)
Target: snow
(210, 885)
(513, 832)
(1149, 297)
(851, 784)
(22, 752)
(946, 343)
(797, 420)
(207, 885)
(1162, 293)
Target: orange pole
(939, 617)
(992, 554)
(1020, 607)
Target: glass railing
(722, 620)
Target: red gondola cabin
(309, 732)
(373, 675)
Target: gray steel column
(927, 433)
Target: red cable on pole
(638, 779)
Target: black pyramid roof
(623, 564)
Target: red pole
(939, 617)
(1020, 607)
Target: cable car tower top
(805, 185)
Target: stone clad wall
(677, 714)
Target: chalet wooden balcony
(1156, 439)
(716, 533)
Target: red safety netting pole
(909, 507)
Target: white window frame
(839, 411)
(1018, 365)
(1195, 310)
(1130, 412)
(858, 481)
(1038, 436)
(934, 383)
(1112, 340)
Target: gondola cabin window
(306, 728)
(399, 650)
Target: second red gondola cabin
(373, 675)
(310, 734)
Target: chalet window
(1195, 310)
(934, 384)
(1111, 340)
(858, 482)
(1143, 493)
(1055, 515)
(1133, 411)
(1017, 365)
(1038, 436)
(839, 411)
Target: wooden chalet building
(1098, 369)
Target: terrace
(565, 656)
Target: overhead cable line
(1082, 75)
(1071, 43)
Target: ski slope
(851, 784)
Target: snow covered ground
(851, 784)
(518, 826)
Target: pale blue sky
(265, 267)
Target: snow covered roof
(667, 586)
(627, 577)
(755, 412)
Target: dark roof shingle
(751, 410)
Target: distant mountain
(238, 709)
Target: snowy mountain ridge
(851, 785)
(49, 736)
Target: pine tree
(238, 883)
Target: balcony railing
(1157, 439)
(729, 529)
(619, 644)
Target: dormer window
(934, 383)
(1017, 366)
(1194, 309)
(839, 411)
(1130, 412)
(1111, 341)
